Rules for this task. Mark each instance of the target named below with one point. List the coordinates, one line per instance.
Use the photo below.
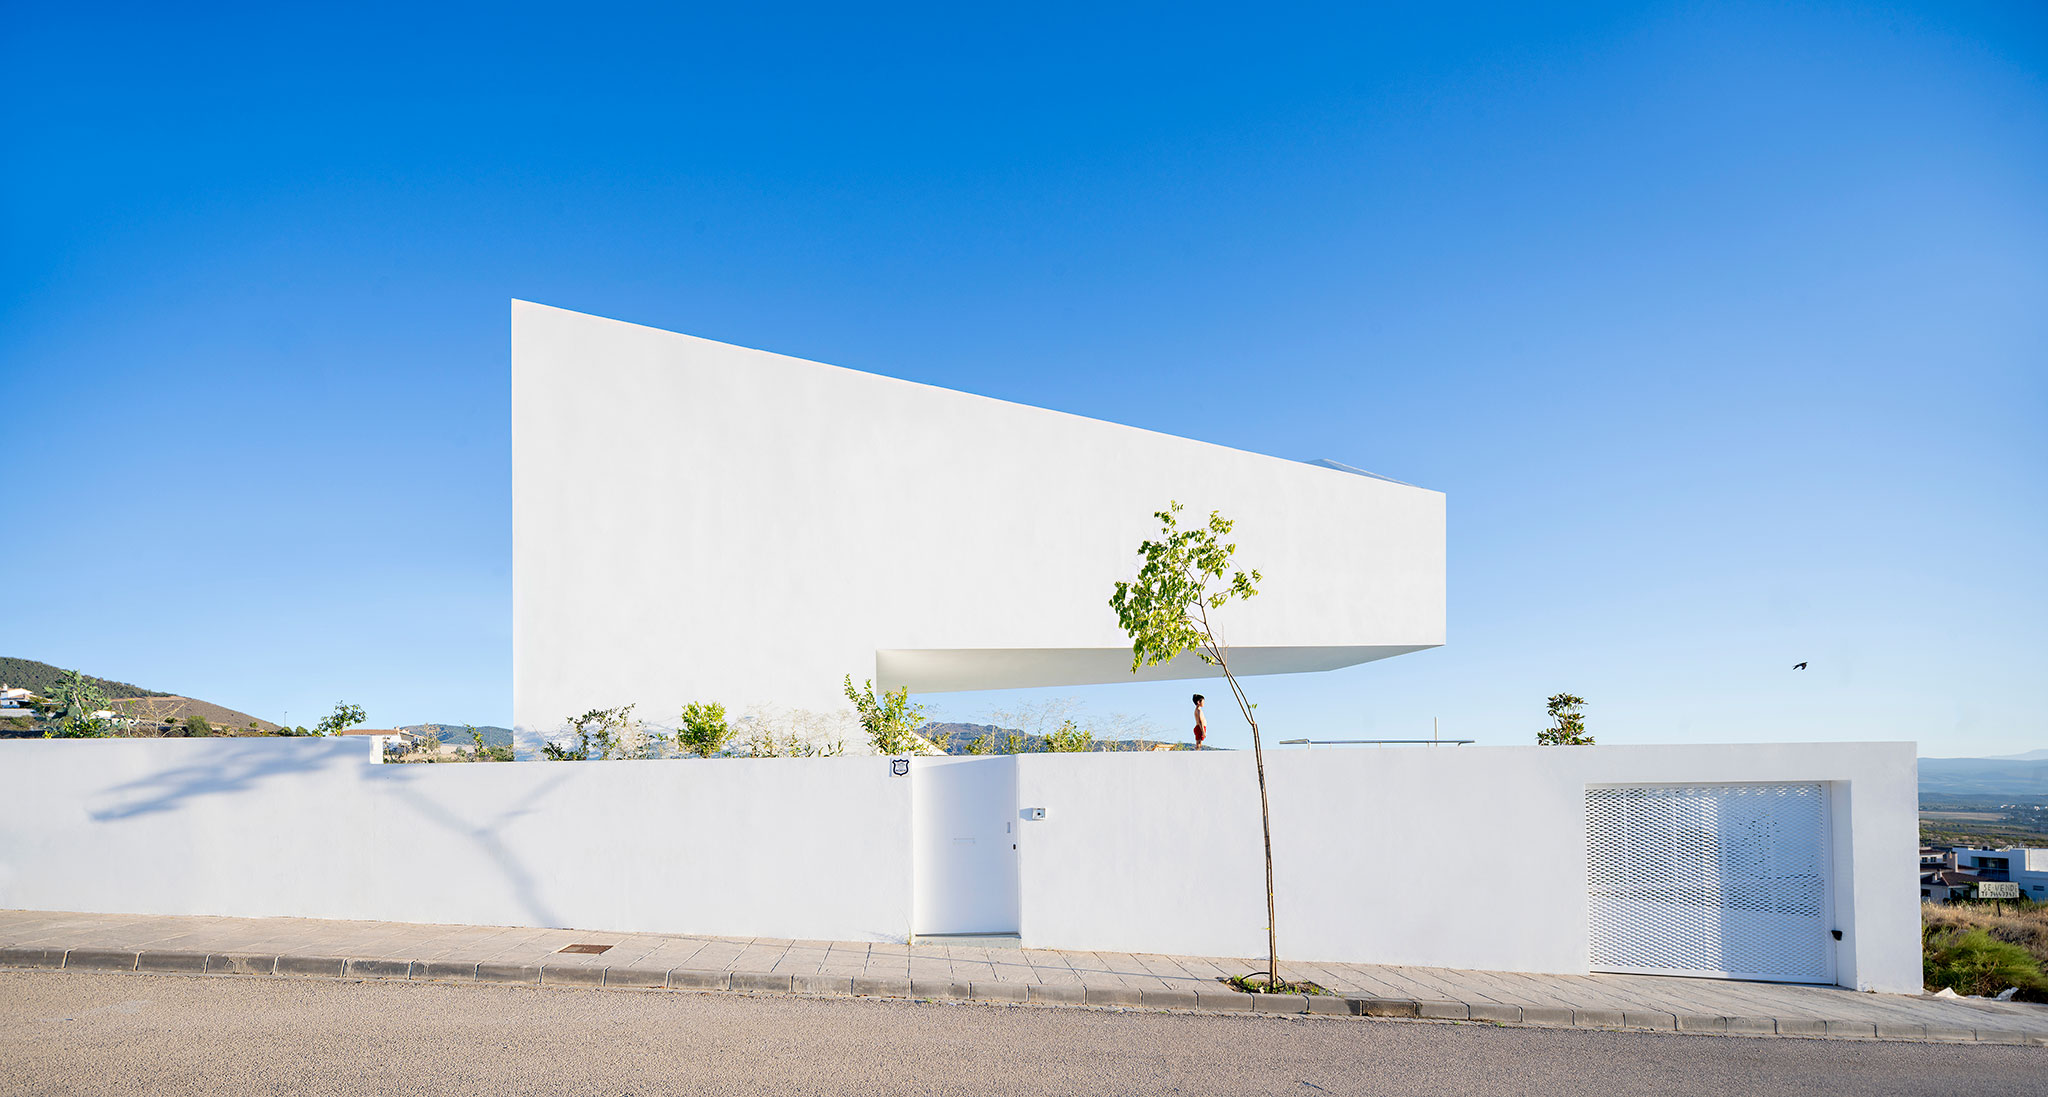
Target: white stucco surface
(803, 848)
(1470, 857)
(699, 521)
(1465, 858)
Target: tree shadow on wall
(403, 781)
(238, 768)
(233, 769)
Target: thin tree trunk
(1265, 810)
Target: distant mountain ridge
(458, 734)
(2018, 779)
(957, 738)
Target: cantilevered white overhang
(699, 521)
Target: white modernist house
(698, 521)
(694, 521)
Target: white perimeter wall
(801, 848)
(1467, 857)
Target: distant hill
(2019, 780)
(957, 737)
(459, 733)
(42, 679)
(161, 707)
(150, 705)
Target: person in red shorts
(1201, 723)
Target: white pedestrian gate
(963, 821)
(1720, 880)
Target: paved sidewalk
(394, 950)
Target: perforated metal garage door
(1723, 880)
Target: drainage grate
(586, 950)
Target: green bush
(890, 720)
(1974, 962)
(1069, 738)
(703, 730)
(601, 734)
(344, 717)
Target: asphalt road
(78, 1033)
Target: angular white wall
(698, 521)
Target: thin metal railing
(1372, 742)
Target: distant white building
(14, 703)
(2026, 867)
(1945, 885)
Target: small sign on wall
(899, 766)
(1998, 889)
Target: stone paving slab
(212, 946)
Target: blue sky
(1724, 327)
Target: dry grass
(2022, 924)
(163, 707)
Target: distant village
(1949, 874)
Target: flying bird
(1799, 666)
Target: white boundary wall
(802, 848)
(1470, 857)
(1467, 857)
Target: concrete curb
(1201, 999)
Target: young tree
(75, 700)
(890, 720)
(1165, 611)
(1070, 738)
(601, 732)
(344, 717)
(1567, 725)
(703, 731)
(1037, 720)
(555, 752)
(161, 713)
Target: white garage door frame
(1729, 880)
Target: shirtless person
(1201, 723)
